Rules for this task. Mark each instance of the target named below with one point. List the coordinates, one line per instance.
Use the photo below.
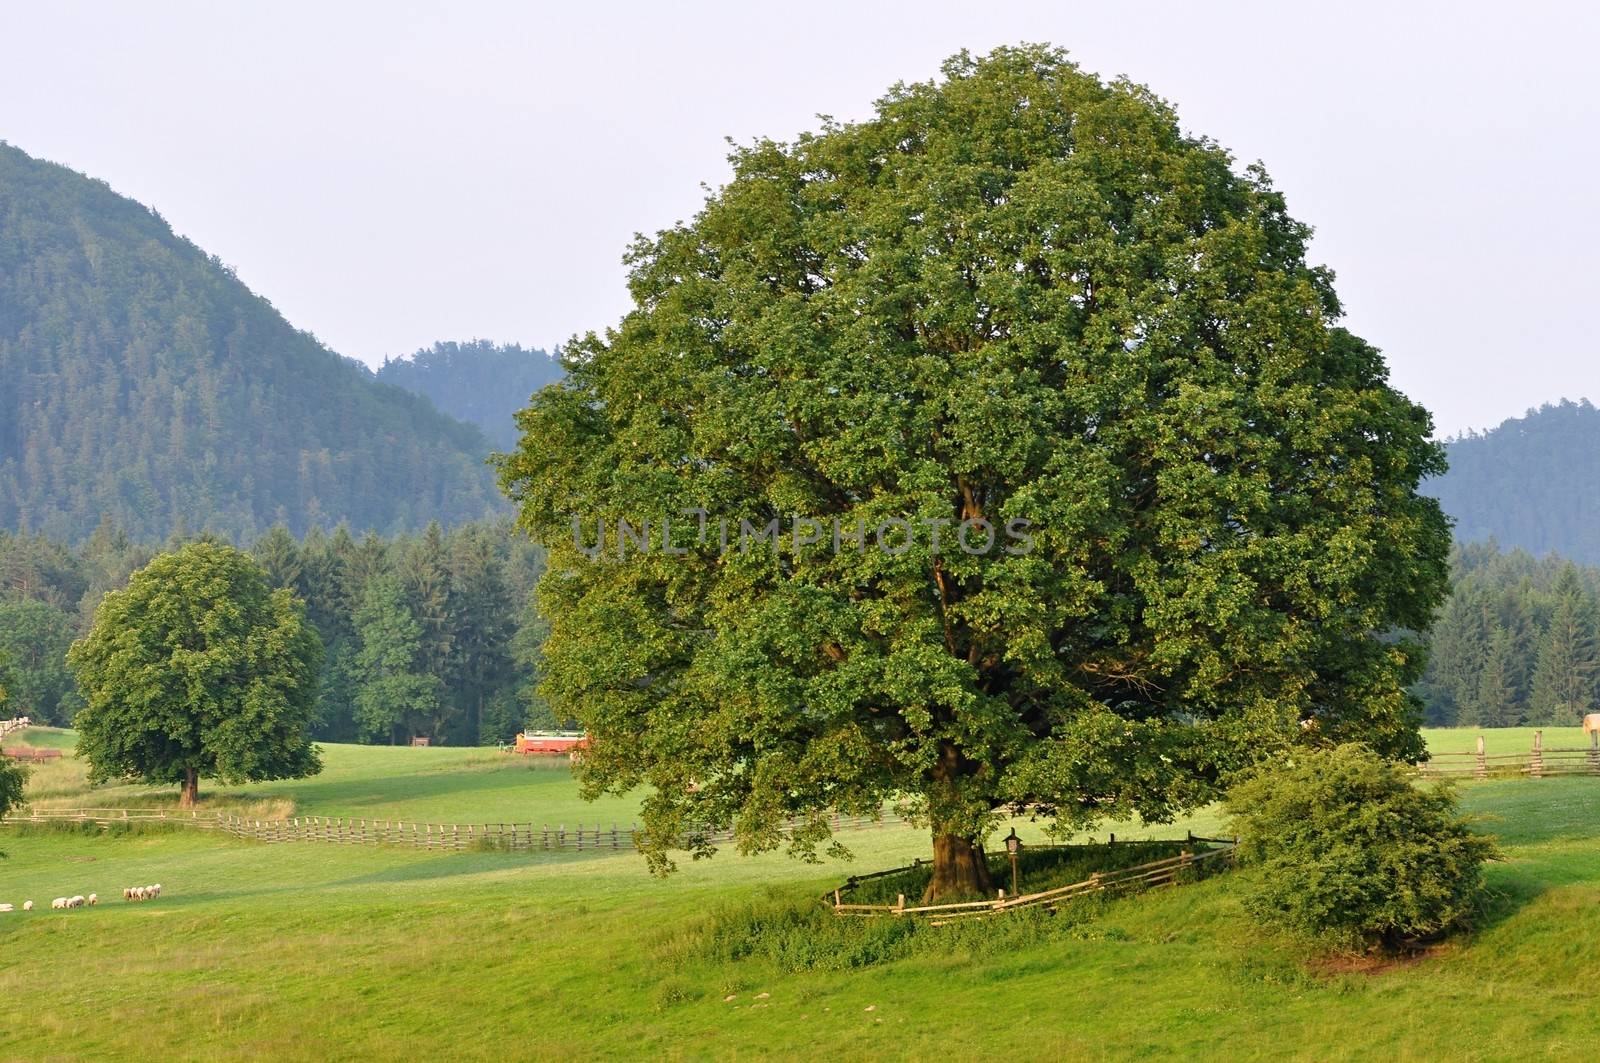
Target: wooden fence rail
(16, 723)
(455, 837)
(1537, 763)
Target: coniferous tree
(1495, 701)
(1565, 673)
(394, 696)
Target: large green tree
(198, 668)
(1015, 294)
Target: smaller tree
(1351, 851)
(198, 668)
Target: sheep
(76, 901)
(6, 908)
(94, 899)
(59, 902)
(27, 906)
(155, 891)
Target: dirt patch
(1376, 963)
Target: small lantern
(1014, 847)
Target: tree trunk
(191, 788)
(960, 871)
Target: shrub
(1349, 850)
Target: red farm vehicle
(550, 743)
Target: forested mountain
(1532, 483)
(140, 381)
(480, 382)
(432, 633)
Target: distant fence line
(16, 723)
(1534, 764)
(512, 837)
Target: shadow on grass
(456, 864)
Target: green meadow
(318, 952)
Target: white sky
(390, 174)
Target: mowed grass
(429, 785)
(316, 952)
(1501, 739)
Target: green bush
(1349, 850)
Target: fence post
(900, 904)
(1594, 751)
(1538, 755)
(1482, 769)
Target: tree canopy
(198, 668)
(1014, 297)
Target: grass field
(434, 784)
(311, 951)
(1501, 739)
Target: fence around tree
(1198, 857)
(1537, 763)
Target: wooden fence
(513, 837)
(1534, 764)
(1207, 853)
(14, 724)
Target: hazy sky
(391, 174)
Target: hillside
(480, 382)
(140, 380)
(1533, 482)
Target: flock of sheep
(132, 893)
